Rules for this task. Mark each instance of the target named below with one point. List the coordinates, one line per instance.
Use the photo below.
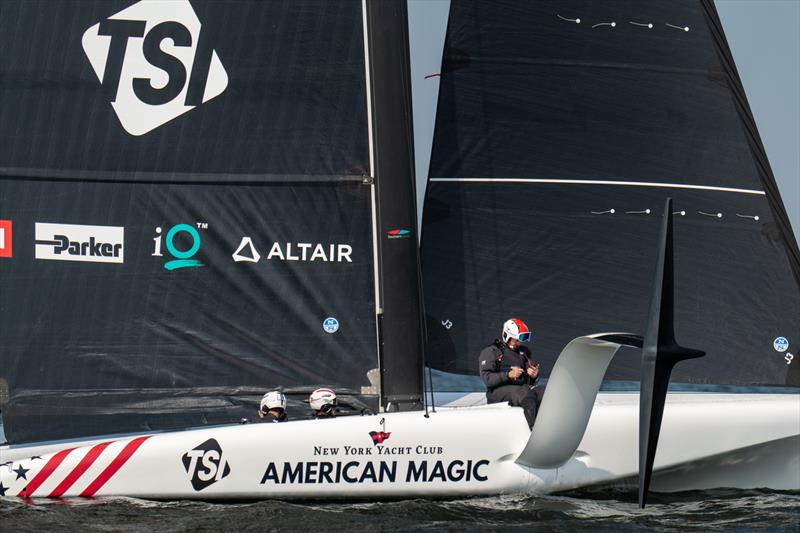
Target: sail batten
(597, 182)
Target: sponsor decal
(246, 252)
(72, 242)
(317, 472)
(6, 238)
(183, 258)
(781, 344)
(330, 325)
(394, 465)
(398, 233)
(154, 62)
(205, 464)
(294, 251)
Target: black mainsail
(191, 200)
(561, 128)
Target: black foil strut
(660, 353)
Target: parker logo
(5, 238)
(205, 464)
(72, 242)
(154, 63)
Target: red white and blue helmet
(321, 398)
(514, 328)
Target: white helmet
(273, 400)
(322, 397)
(515, 328)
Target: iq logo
(781, 344)
(154, 63)
(183, 257)
(5, 238)
(205, 464)
(330, 325)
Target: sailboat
(205, 200)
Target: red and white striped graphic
(80, 471)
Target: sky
(764, 36)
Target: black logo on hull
(205, 464)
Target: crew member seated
(323, 402)
(273, 407)
(508, 372)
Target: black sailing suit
(495, 361)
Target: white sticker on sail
(73, 242)
(145, 57)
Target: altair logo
(154, 63)
(183, 258)
(298, 251)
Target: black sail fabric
(561, 127)
(293, 102)
(167, 278)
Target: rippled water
(702, 511)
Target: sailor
(273, 407)
(508, 372)
(324, 403)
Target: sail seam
(601, 182)
(171, 178)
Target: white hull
(707, 440)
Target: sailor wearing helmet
(273, 407)
(508, 372)
(323, 402)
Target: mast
(401, 334)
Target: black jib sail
(186, 207)
(561, 128)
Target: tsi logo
(72, 242)
(183, 258)
(154, 63)
(205, 464)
